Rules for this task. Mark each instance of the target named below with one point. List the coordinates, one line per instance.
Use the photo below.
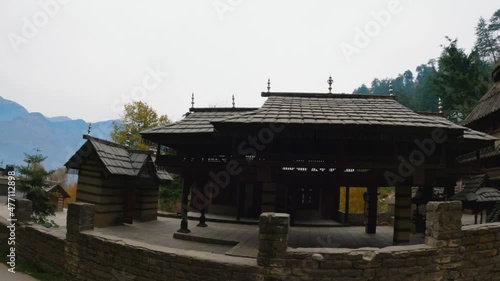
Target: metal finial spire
(440, 106)
(192, 100)
(89, 128)
(233, 101)
(129, 134)
(268, 84)
(330, 82)
(391, 93)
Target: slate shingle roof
(117, 159)
(474, 191)
(470, 185)
(490, 102)
(487, 105)
(468, 132)
(335, 109)
(57, 187)
(197, 121)
(485, 194)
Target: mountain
(10, 110)
(58, 138)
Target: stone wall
(93, 257)
(451, 252)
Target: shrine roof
(117, 159)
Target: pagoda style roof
(489, 103)
(322, 111)
(335, 109)
(117, 159)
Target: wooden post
(203, 219)
(346, 211)
(201, 208)
(240, 192)
(402, 216)
(184, 206)
(371, 210)
(336, 202)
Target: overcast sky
(85, 58)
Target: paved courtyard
(239, 239)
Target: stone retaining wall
(451, 252)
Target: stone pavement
(18, 276)
(243, 236)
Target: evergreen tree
(461, 80)
(423, 100)
(33, 182)
(486, 46)
(494, 27)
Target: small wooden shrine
(123, 183)
(59, 196)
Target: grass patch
(31, 269)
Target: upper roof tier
(335, 109)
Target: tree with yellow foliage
(137, 117)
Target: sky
(86, 59)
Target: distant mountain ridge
(58, 138)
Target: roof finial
(268, 84)
(330, 82)
(440, 106)
(127, 142)
(233, 101)
(89, 128)
(391, 93)
(192, 100)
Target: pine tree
(494, 27)
(461, 80)
(33, 182)
(486, 46)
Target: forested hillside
(458, 77)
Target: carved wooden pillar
(402, 216)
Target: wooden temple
(294, 153)
(123, 183)
(482, 191)
(485, 117)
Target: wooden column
(202, 208)
(371, 210)
(346, 210)
(186, 186)
(336, 202)
(240, 199)
(402, 216)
